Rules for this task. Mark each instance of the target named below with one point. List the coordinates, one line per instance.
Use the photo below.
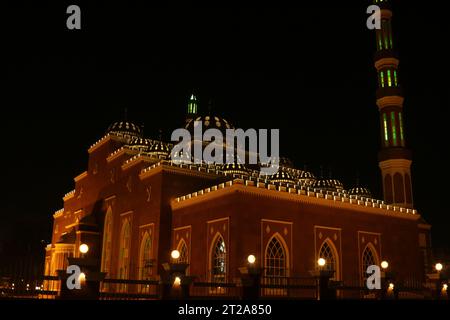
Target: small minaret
(394, 158)
(192, 108)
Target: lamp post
(89, 277)
(384, 281)
(251, 279)
(439, 287)
(323, 276)
(175, 282)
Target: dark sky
(306, 70)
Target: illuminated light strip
(401, 129)
(394, 129)
(385, 124)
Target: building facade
(133, 205)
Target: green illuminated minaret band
(192, 108)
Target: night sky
(306, 70)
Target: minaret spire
(394, 158)
(192, 108)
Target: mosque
(133, 205)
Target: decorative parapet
(69, 195)
(323, 197)
(139, 158)
(81, 176)
(58, 213)
(100, 142)
(203, 169)
(119, 152)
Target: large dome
(125, 129)
(209, 122)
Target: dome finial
(357, 184)
(210, 106)
(160, 132)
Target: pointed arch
(369, 257)
(184, 251)
(218, 259)
(388, 193)
(276, 264)
(145, 257)
(124, 249)
(107, 241)
(399, 188)
(329, 252)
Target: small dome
(234, 168)
(306, 178)
(307, 175)
(182, 156)
(159, 148)
(142, 144)
(209, 122)
(360, 191)
(125, 129)
(282, 176)
(337, 184)
(332, 185)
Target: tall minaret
(192, 108)
(394, 158)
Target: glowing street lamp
(384, 265)
(177, 281)
(251, 259)
(391, 286)
(84, 248)
(438, 267)
(321, 262)
(82, 278)
(175, 254)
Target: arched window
(388, 195)
(328, 252)
(408, 189)
(107, 242)
(145, 262)
(275, 266)
(124, 249)
(399, 189)
(218, 258)
(184, 253)
(369, 258)
(145, 257)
